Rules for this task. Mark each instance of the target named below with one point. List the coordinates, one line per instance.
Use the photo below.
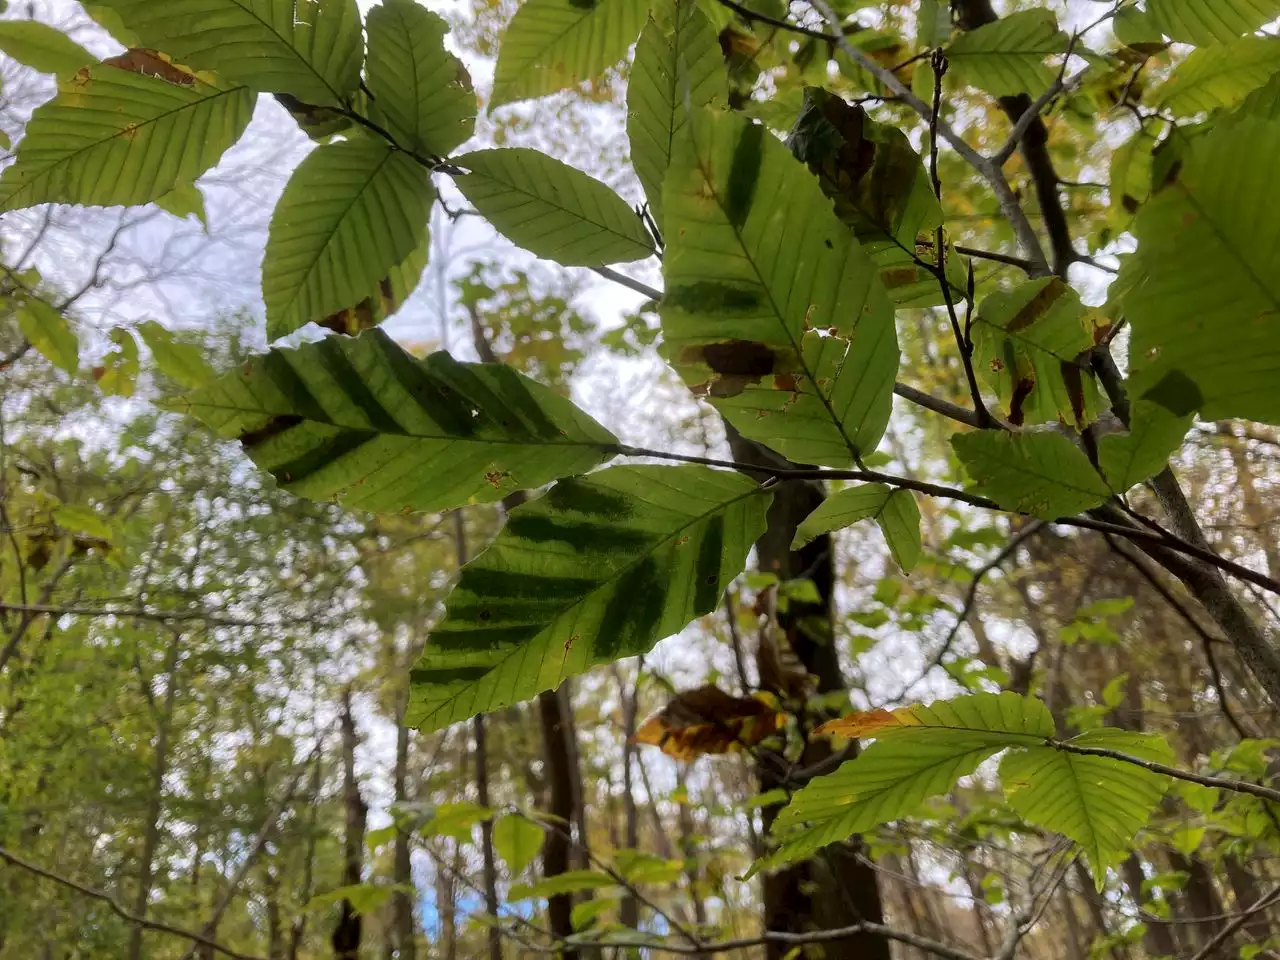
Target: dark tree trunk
(346, 935)
(629, 907)
(403, 926)
(560, 774)
(836, 888)
(486, 837)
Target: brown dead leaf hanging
(707, 720)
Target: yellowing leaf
(709, 721)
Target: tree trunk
(1157, 939)
(836, 888)
(403, 927)
(560, 774)
(346, 935)
(298, 928)
(689, 849)
(486, 838)
(629, 907)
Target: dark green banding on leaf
(634, 611)
(1177, 393)
(513, 391)
(480, 639)
(579, 496)
(277, 370)
(273, 428)
(327, 453)
(745, 174)
(333, 358)
(446, 676)
(709, 295)
(424, 382)
(578, 534)
(487, 582)
(706, 572)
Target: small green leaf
(352, 211)
(185, 200)
(84, 520)
(1007, 57)
(895, 510)
(421, 90)
(517, 841)
(182, 362)
(455, 820)
(571, 881)
(1043, 473)
(1154, 435)
(1098, 802)
(551, 45)
(43, 48)
(638, 867)
(363, 897)
(584, 913)
(49, 332)
(118, 373)
(552, 209)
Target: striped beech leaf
(125, 134)
(1098, 802)
(1206, 316)
(1205, 22)
(920, 752)
(552, 209)
(361, 421)
(1041, 473)
(422, 91)
(881, 190)
(311, 49)
(895, 510)
(599, 568)
(773, 312)
(677, 67)
(352, 211)
(551, 45)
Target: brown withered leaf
(153, 63)
(707, 720)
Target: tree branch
(120, 911)
(1221, 937)
(1219, 783)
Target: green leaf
(185, 200)
(638, 867)
(1007, 57)
(361, 421)
(880, 189)
(1154, 435)
(182, 362)
(1205, 22)
(772, 311)
(108, 138)
(455, 820)
(895, 510)
(599, 568)
(1043, 474)
(1098, 802)
(517, 841)
(571, 881)
(386, 298)
(1221, 76)
(1029, 345)
(551, 45)
(552, 209)
(1206, 316)
(585, 912)
(422, 91)
(934, 24)
(363, 897)
(311, 49)
(83, 520)
(43, 48)
(920, 752)
(351, 212)
(48, 331)
(675, 71)
(117, 375)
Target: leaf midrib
(290, 47)
(720, 507)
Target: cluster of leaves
(784, 265)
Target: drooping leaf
(185, 200)
(1219, 76)
(117, 375)
(1098, 802)
(386, 298)
(1042, 473)
(894, 510)
(311, 49)
(362, 421)
(43, 48)
(599, 568)
(1206, 316)
(552, 209)
(920, 752)
(1007, 57)
(351, 212)
(1205, 22)
(46, 328)
(1029, 345)
(880, 189)
(772, 311)
(117, 136)
(518, 841)
(706, 720)
(675, 70)
(1154, 435)
(422, 91)
(551, 45)
(571, 881)
(182, 362)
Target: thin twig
(1221, 937)
(120, 911)
(756, 17)
(163, 616)
(1218, 783)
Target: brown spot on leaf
(737, 364)
(786, 381)
(152, 63)
(1021, 392)
(1037, 306)
(495, 477)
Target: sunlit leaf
(518, 841)
(894, 510)
(1042, 473)
(1007, 57)
(43, 48)
(49, 332)
(1154, 435)
(1219, 76)
(571, 881)
(600, 568)
(182, 362)
(1206, 22)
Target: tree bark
(1157, 939)
(347, 933)
(837, 888)
(403, 926)
(486, 837)
(629, 907)
(560, 775)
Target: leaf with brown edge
(152, 63)
(389, 296)
(707, 720)
(866, 722)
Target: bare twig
(120, 911)
(139, 613)
(1221, 937)
(756, 17)
(1218, 783)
